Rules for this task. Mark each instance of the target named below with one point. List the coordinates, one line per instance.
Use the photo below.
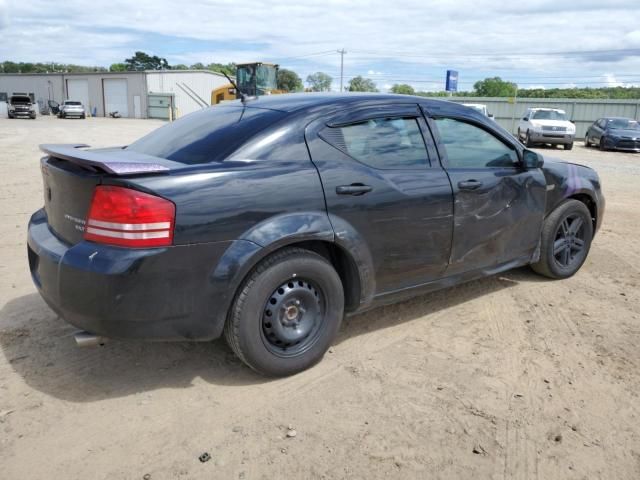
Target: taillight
(128, 218)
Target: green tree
(289, 81)
(361, 84)
(495, 87)
(143, 61)
(180, 66)
(118, 67)
(228, 68)
(319, 82)
(403, 89)
(197, 66)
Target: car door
(498, 205)
(379, 182)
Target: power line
(620, 51)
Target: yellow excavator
(252, 80)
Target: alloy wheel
(569, 241)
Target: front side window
(383, 143)
(468, 146)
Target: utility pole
(341, 52)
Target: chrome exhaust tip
(86, 339)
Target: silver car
(72, 108)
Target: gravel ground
(512, 376)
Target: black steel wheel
(565, 240)
(286, 313)
(292, 317)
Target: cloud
(4, 14)
(413, 44)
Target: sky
(537, 43)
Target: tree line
(290, 81)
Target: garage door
(115, 96)
(78, 90)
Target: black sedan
(268, 220)
(614, 133)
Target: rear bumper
(153, 294)
(73, 113)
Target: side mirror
(526, 119)
(532, 160)
(572, 121)
(490, 115)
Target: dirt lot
(508, 377)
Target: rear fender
(279, 232)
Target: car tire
(565, 240)
(527, 140)
(83, 117)
(568, 146)
(519, 135)
(602, 145)
(286, 313)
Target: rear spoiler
(114, 161)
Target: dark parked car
(269, 220)
(21, 106)
(614, 133)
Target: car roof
(547, 108)
(619, 118)
(292, 102)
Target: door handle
(469, 185)
(353, 189)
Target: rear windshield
(72, 103)
(206, 136)
(20, 100)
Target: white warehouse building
(127, 93)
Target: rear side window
(206, 136)
(468, 146)
(383, 143)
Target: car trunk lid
(70, 174)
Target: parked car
(71, 108)
(614, 133)
(269, 220)
(21, 106)
(480, 107)
(546, 126)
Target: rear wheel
(565, 240)
(602, 144)
(286, 313)
(568, 146)
(587, 143)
